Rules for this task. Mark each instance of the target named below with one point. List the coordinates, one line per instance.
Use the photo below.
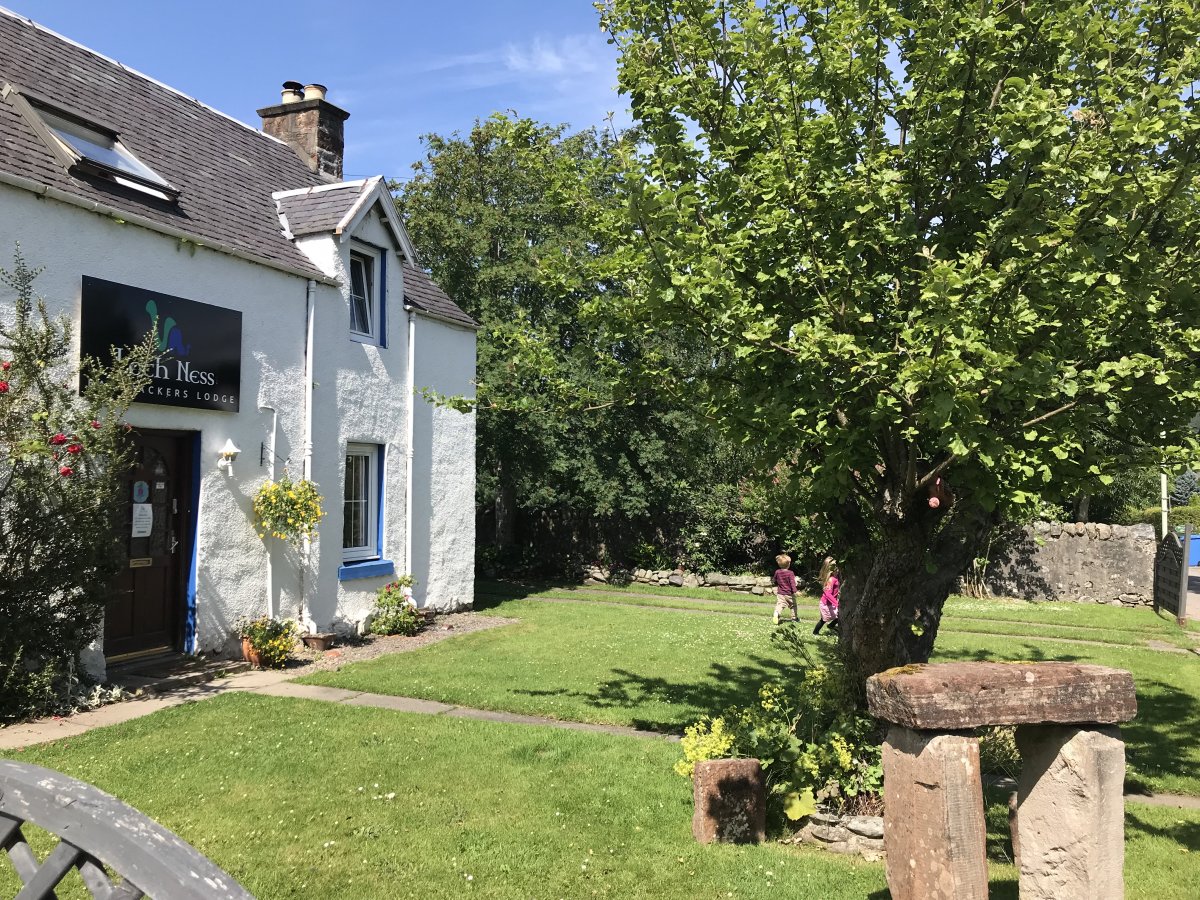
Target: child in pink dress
(830, 585)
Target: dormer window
(365, 300)
(88, 147)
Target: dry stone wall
(745, 584)
(1080, 562)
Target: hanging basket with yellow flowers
(287, 509)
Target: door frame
(184, 590)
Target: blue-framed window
(362, 503)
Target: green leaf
(799, 804)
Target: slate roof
(226, 171)
(421, 293)
(320, 209)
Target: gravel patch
(370, 646)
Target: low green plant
(395, 611)
(272, 638)
(1178, 516)
(813, 744)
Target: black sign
(200, 346)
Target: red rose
(66, 471)
(5, 366)
(59, 438)
(75, 448)
(95, 423)
(3, 387)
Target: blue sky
(402, 68)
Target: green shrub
(1178, 516)
(62, 457)
(814, 745)
(395, 611)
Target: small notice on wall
(143, 519)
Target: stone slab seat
(957, 696)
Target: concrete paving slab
(307, 692)
(41, 732)
(400, 704)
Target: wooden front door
(148, 606)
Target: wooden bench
(1070, 793)
(96, 830)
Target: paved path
(276, 684)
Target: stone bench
(1070, 793)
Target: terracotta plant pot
(251, 655)
(321, 641)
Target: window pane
(99, 147)
(356, 503)
(361, 301)
(360, 317)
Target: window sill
(371, 568)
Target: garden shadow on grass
(722, 686)
(1158, 739)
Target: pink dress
(829, 600)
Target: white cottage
(296, 326)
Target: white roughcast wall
(444, 469)
(232, 561)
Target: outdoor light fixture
(227, 455)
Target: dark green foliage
(61, 457)
(575, 462)
(918, 241)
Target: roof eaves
(447, 320)
(118, 215)
(378, 192)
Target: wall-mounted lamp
(226, 456)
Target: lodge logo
(201, 368)
(169, 337)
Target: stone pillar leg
(731, 802)
(933, 831)
(1071, 812)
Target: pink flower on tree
(75, 448)
(95, 423)
(3, 387)
(66, 471)
(58, 439)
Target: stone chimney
(310, 125)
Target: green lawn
(300, 799)
(304, 799)
(661, 669)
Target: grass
(301, 799)
(1071, 621)
(292, 798)
(662, 669)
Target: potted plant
(320, 641)
(395, 610)
(267, 642)
(287, 509)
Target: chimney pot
(315, 91)
(293, 92)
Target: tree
(565, 449)
(935, 250)
(62, 454)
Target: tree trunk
(894, 589)
(506, 511)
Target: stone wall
(1078, 562)
(745, 584)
